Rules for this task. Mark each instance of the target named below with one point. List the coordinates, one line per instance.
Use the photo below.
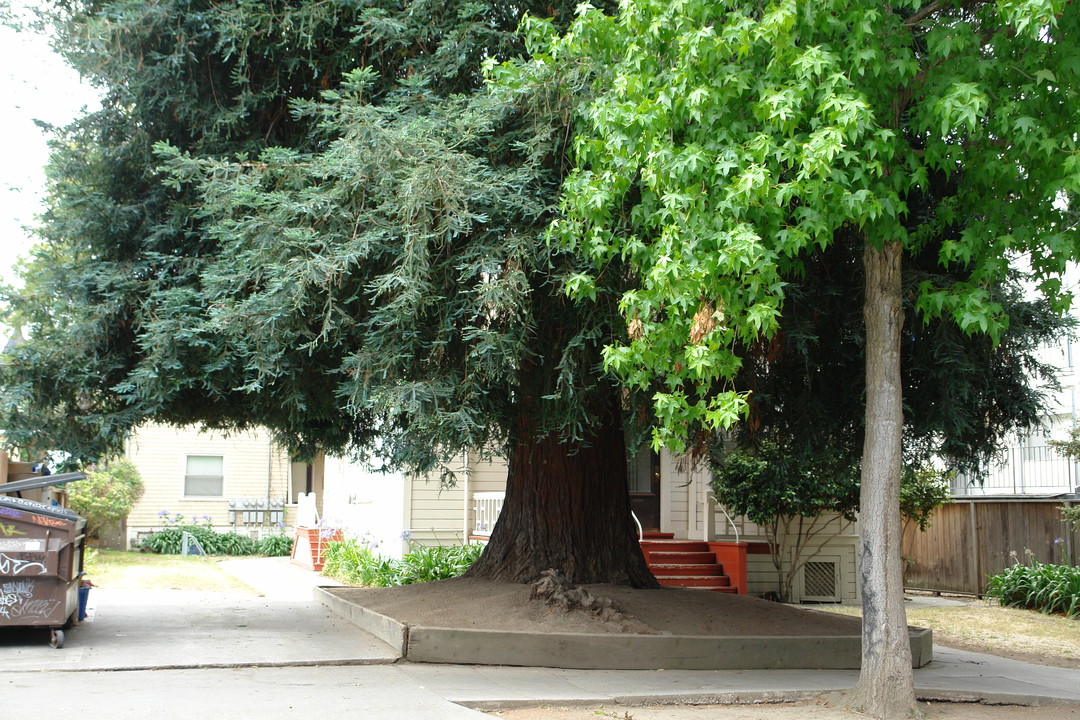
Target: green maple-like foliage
(253, 231)
(729, 139)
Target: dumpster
(41, 557)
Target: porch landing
(474, 621)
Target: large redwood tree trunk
(886, 687)
(567, 507)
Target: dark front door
(644, 482)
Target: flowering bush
(1038, 586)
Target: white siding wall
(366, 504)
(253, 467)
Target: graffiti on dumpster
(10, 512)
(15, 593)
(17, 601)
(9, 530)
(19, 587)
(18, 566)
(47, 521)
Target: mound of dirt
(483, 604)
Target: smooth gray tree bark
(886, 687)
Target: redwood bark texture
(567, 507)
(886, 687)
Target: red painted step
(690, 558)
(686, 564)
(695, 581)
(703, 570)
(674, 546)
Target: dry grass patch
(118, 570)
(984, 626)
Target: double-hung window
(204, 476)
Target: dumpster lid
(39, 482)
(39, 508)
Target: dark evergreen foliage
(299, 215)
(963, 394)
(144, 301)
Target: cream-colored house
(241, 481)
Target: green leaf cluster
(923, 490)
(728, 139)
(774, 482)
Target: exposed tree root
(555, 590)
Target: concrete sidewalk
(455, 692)
(953, 675)
(162, 629)
(277, 656)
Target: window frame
(220, 478)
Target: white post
(708, 502)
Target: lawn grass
(120, 570)
(985, 626)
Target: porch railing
(1035, 470)
(486, 509)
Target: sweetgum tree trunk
(567, 507)
(886, 687)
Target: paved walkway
(281, 656)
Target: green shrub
(274, 545)
(355, 562)
(1071, 515)
(1037, 586)
(106, 495)
(170, 540)
(923, 489)
(230, 543)
(425, 564)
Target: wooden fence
(970, 540)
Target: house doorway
(644, 483)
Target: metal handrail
(640, 532)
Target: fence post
(977, 577)
(1069, 532)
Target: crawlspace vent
(819, 579)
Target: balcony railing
(1036, 470)
(486, 509)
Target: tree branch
(931, 8)
(923, 13)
